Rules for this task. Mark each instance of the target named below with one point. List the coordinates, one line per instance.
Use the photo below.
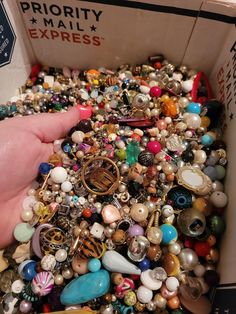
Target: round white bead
(48, 262)
(172, 283)
(61, 255)
(66, 186)
(219, 199)
(187, 85)
(58, 174)
(17, 286)
(58, 279)
(27, 214)
(77, 137)
(144, 294)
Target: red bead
(87, 213)
(202, 248)
(157, 65)
(154, 147)
(135, 277)
(188, 243)
(46, 308)
(35, 70)
(155, 91)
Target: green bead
(3, 112)
(58, 106)
(23, 232)
(132, 152)
(217, 225)
(121, 154)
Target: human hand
(25, 142)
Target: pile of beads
(126, 214)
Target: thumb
(52, 126)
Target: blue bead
(44, 168)
(94, 265)
(29, 271)
(169, 234)
(144, 264)
(86, 287)
(193, 107)
(207, 140)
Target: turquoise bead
(206, 140)
(94, 265)
(23, 232)
(169, 234)
(194, 107)
(86, 288)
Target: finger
(48, 126)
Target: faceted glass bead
(132, 152)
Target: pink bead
(155, 91)
(135, 230)
(75, 167)
(161, 124)
(85, 111)
(154, 147)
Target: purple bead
(135, 230)
(25, 306)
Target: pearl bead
(187, 86)
(66, 186)
(25, 306)
(58, 279)
(160, 301)
(61, 255)
(67, 273)
(27, 215)
(31, 192)
(172, 284)
(174, 248)
(199, 270)
(139, 212)
(144, 294)
(200, 156)
(58, 174)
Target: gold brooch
(100, 176)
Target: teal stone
(23, 232)
(132, 152)
(86, 288)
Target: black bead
(187, 156)
(85, 125)
(146, 158)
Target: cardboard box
(83, 34)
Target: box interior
(87, 34)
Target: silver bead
(106, 309)
(151, 306)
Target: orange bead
(45, 85)
(136, 137)
(170, 177)
(203, 205)
(93, 72)
(205, 121)
(211, 240)
(173, 303)
(87, 213)
(169, 109)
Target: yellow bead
(164, 98)
(205, 122)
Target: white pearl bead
(144, 294)
(172, 283)
(27, 214)
(77, 137)
(187, 86)
(31, 192)
(58, 174)
(144, 89)
(58, 279)
(61, 255)
(167, 210)
(66, 186)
